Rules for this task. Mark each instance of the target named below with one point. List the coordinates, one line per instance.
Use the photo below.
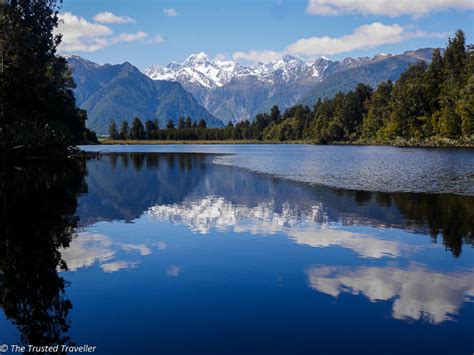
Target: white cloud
(141, 248)
(171, 12)
(109, 17)
(219, 57)
(161, 245)
(130, 37)
(87, 249)
(436, 300)
(257, 56)
(363, 37)
(118, 265)
(302, 227)
(391, 8)
(173, 271)
(158, 39)
(78, 34)
(364, 245)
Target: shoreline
(444, 143)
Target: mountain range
(122, 92)
(233, 92)
(222, 91)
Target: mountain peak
(196, 58)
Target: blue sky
(146, 32)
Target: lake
(236, 249)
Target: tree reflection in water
(37, 205)
(123, 186)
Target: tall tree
(378, 110)
(202, 124)
(180, 122)
(187, 122)
(124, 130)
(151, 128)
(113, 132)
(454, 79)
(170, 124)
(38, 109)
(409, 104)
(137, 131)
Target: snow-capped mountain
(233, 91)
(200, 69)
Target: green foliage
(151, 129)
(202, 124)
(378, 111)
(137, 131)
(170, 124)
(124, 130)
(113, 133)
(36, 90)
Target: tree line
(428, 102)
(185, 129)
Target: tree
(137, 131)
(151, 128)
(465, 102)
(113, 133)
(170, 124)
(378, 110)
(410, 103)
(202, 124)
(124, 131)
(187, 123)
(275, 114)
(448, 122)
(465, 107)
(38, 111)
(180, 123)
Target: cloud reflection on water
(304, 228)
(417, 293)
(88, 249)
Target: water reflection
(122, 217)
(187, 189)
(417, 293)
(88, 249)
(215, 213)
(37, 210)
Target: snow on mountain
(200, 69)
(197, 68)
(234, 91)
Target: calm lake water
(241, 250)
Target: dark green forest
(429, 104)
(38, 113)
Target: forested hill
(122, 92)
(428, 102)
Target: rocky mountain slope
(233, 91)
(122, 92)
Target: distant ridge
(234, 92)
(121, 92)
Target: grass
(398, 142)
(163, 142)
